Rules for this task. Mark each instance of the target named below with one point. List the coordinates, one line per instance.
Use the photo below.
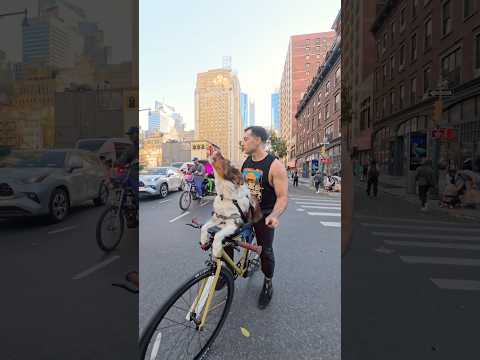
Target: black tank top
(255, 174)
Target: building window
(318, 56)
(392, 66)
(428, 35)
(414, 47)
(392, 101)
(384, 73)
(317, 41)
(307, 50)
(307, 73)
(385, 35)
(307, 42)
(427, 79)
(446, 17)
(384, 106)
(402, 95)
(307, 65)
(327, 112)
(318, 50)
(468, 8)
(477, 52)
(414, 8)
(337, 77)
(402, 57)
(337, 102)
(307, 57)
(451, 67)
(393, 32)
(327, 88)
(365, 114)
(413, 91)
(402, 19)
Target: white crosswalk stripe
(433, 247)
(322, 208)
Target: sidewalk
(395, 185)
(307, 183)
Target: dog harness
(234, 216)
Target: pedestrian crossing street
(325, 209)
(447, 252)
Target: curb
(311, 187)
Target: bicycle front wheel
(173, 332)
(185, 200)
(110, 229)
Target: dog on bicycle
(233, 206)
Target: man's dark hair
(258, 131)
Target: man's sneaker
(266, 294)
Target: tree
(278, 146)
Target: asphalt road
(410, 283)
(56, 295)
(303, 319)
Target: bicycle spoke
(178, 323)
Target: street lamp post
(15, 13)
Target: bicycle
(159, 339)
(122, 206)
(190, 192)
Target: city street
(303, 319)
(57, 298)
(414, 273)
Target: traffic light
(437, 111)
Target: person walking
(424, 178)
(318, 179)
(372, 178)
(364, 172)
(295, 179)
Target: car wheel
(102, 195)
(59, 205)
(163, 190)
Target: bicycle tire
(149, 331)
(180, 202)
(100, 240)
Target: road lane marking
(62, 230)
(426, 236)
(315, 200)
(300, 209)
(387, 219)
(320, 207)
(454, 284)
(179, 216)
(96, 267)
(412, 227)
(432, 245)
(323, 214)
(331, 224)
(317, 203)
(204, 203)
(163, 202)
(440, 260)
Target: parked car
(106, 148)
(160, 181)
(50, 182)
(177, 165)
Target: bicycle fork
(204, 297)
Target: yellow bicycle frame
(239, 270)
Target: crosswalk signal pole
(437, 116)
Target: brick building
(318, 135)
(304, 56)
(420, 45)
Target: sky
(179, 39)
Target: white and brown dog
(232, 196)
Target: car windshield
(34, 159)
(177, 165)
(157, 171)
(91, 145)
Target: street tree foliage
(278, 146)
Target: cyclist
(267, 179)
(198, 171)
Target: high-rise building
(251, 113)
(305, 54)
(53, 38)
(275, 111)
(217, 111)
(244, 109)
(164, 118)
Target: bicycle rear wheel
(185, 200)
(173, 333)
(110, 229)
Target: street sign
(440, 92)
(443, 133)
